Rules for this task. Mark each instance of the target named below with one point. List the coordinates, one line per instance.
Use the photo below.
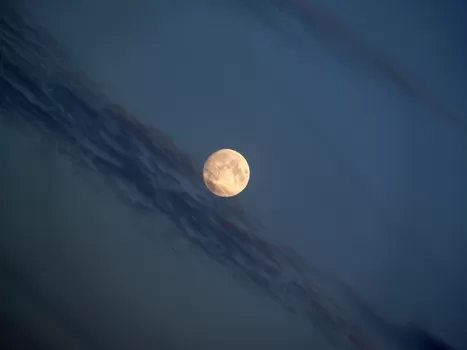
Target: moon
(226, 173)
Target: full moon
(226, 173)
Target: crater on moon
(226, 173)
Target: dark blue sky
(346, 167)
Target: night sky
(359, 166)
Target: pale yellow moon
(226, 173)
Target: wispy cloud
(333, 32)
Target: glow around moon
(226, 173)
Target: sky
(367, 182)
(85, 272)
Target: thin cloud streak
(334, 32)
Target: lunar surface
(226, 173)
